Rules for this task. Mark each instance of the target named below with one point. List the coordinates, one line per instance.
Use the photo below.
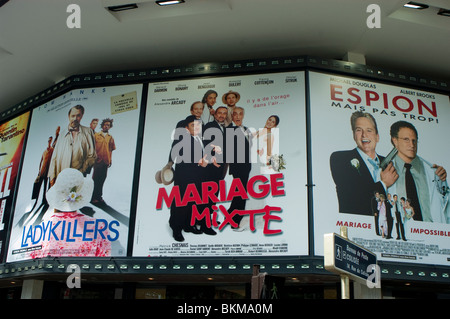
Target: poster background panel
(261, 95)
(12, 137)
(331, 131)
(101, 103)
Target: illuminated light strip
(415, 5)
(169, 2)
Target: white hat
(71, 191)
(165, 175)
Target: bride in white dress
(266, 142)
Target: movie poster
(12, 137)
(89, 135)
(224, 168)
(393, 203)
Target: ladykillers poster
(361, 184)
(92, 131)
(224, 168)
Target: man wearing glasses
(421, 182)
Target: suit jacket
(240, 159)
(214, 134)
(438, 208)
(354, 186)
(188, 171)
(177, 132)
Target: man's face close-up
(406, 144)
(75, 117)
(365, 135)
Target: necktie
(375, 168)
(411, 192)
(199, 140)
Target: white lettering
(374, 19)
(74, 19)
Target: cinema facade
(289, 196)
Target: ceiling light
(123, 7)
(444, 12)
(169, 2)
(415, 5)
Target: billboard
(12, 137)
(239, 190)
(353, 123)
(93, 131)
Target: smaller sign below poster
(344, 256)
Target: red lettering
(334, 92)
(228, 217)
(371, 96)
(197, 216)
(237, 189)
(422, 105)
(357, 97)
(275, 184)
(267, 218)
(264, 188)
(385, 101)
(222, 190)
(191, 195)
(217, 192)
(174, 194)
(209, 190)
(410, 107)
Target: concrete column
(361, 291)
(32, 289)
(357, 58)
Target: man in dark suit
(398, 218)
(375, 212)
(190, 168)
(357, 173)
(214, 140)
(389, 218)
(239, 160)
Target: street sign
(343, 256)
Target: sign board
(344, 256)
(271, 198)
(344, 184)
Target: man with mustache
(75, 147)
(357, 173)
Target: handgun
(385, 162)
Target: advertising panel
(12, 137)
(239, 190)
(400, 212)
(75, 188)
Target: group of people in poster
(208, 144)
(71, 155)
(397, 188)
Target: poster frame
(307, 264)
